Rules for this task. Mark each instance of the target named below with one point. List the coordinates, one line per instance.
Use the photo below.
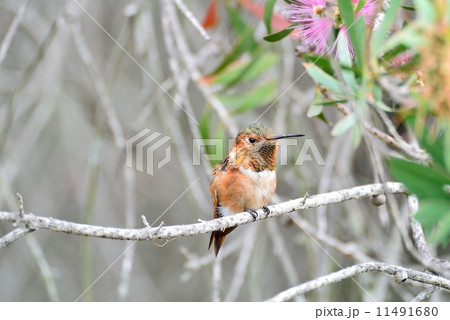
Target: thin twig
(407, 274)
(188, 14)
(14, 235)
(119, 139)
(280, 250)
(19, 232)
(349, 249)
(44, 267)
(217, 279)
(25, 77)
(195, 262)
(419, 236)
(195, 74)
(33, 245)
(99, 85)
(425, 294)
(241, 267)
(407, 149)
(7, 39)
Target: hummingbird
(245, 179)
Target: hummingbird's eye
(252, 140)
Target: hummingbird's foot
(253, 213)
(266, 210)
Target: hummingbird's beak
(283, 136)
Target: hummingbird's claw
(266, 210)
(253, 213)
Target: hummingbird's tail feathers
(218, 237)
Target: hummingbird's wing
(221, 166)
(218, 237)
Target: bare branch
(419, 237)
(425, 294)
(13, 236)
(19, 232)
(7, 39)
(99, 85)
(407, 149)
(189, 15)
(346, 273)
(169, 232)
(195, 74)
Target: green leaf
(246, 71)
(425, 11)
(321, 62)
(257, 54)
(442, 233)
(380, 104)
(446, 154)
(346, 63)
(323, 78)
(425, 182)
(321, 116)
(268, 10)
(356, 135)
(314, 110)
(219, 134)
(262, 95)
(205, 131)
(408, 37)
(329, 102)
(434, 146)
(356, 29)
(204, 123)
(344, 125)
(360, 5)
(431, 211)
(409, 8)
(237, 23)
(281, 34)
(385, 25)
(344, 56)
(357, 34)
(378, 97)
(245, 43)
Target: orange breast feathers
(238, 189)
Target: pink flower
(319, 18)
(401, 59)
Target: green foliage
(277, 36)
(244, 80)
(244, 71)
(431, 184)
(354, 79)
(356, 30)
(268, 10)
(385, 25)
(324, 79)
(255, 98)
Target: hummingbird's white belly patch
(263, 179)
(224, 211)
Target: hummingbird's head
(256, 146)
